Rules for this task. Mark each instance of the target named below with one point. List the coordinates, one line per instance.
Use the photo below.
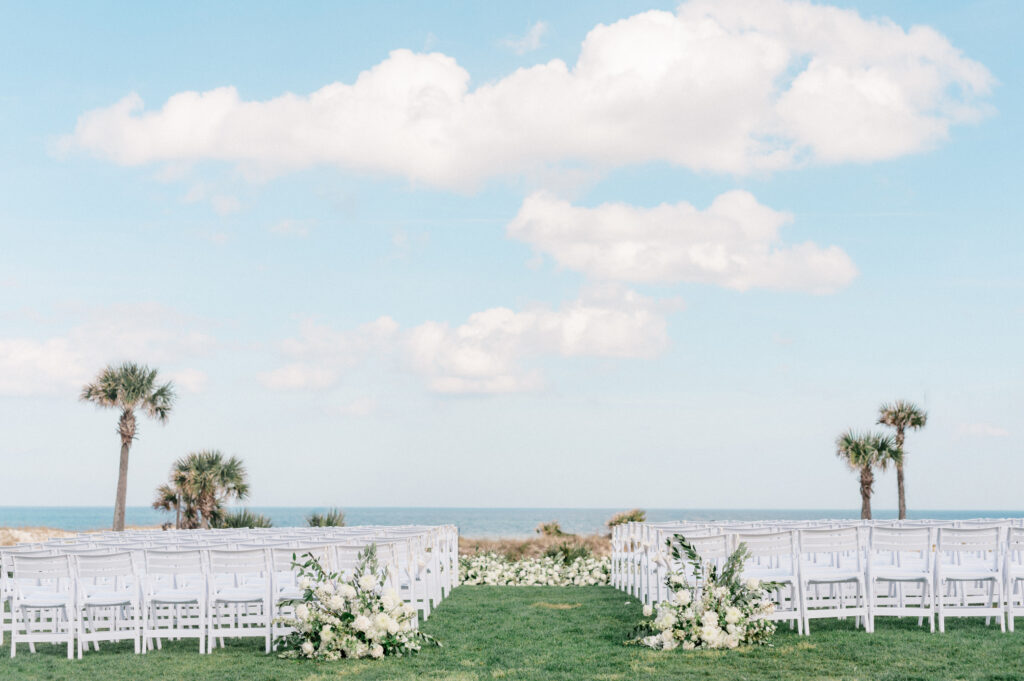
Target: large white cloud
(733, 243)
(63, 362)
(489, 353)
(721, 85)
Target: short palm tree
(201, 483)
(864, 452)
(902, 415)
(129, 387)
(333, 517)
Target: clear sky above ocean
(601, 254)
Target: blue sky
(665, 271)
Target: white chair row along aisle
(149, 585)
(931, 570)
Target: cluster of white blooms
(492, 569)
(357, 618)
(723, 612)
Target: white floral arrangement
(356, 618)
(492, 569)
(720, 610)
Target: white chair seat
(45, 599)
(176, 595)
(100, 598)
(240, 594)
(830, 575)
(968, 572)
(897, 573)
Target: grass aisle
(553, 634)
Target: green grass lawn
(553, 633)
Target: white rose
(301, 611)
(307, 649)
(336, 602)
(368, 582)
(377, 651)
(683, 597)
(752, 584)
(347, 591)
(648, 610)
(326, 634)
(733, 615)
(361, 623)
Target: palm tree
(244, 518)
(129, 387)
(864, 452)
(330, 518)
(902, 415)
(200, 484)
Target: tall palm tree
(129, 387)
(902, 415)
(863, 452)
(200, 484)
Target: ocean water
(472, 522)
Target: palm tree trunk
(899, 475)
(867, 481)
(902, 493)
(126, 427)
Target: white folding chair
(239, 582)
(174, 598)
(284, 579)
(830, 561)
(42, 601)
(966, 561)
(773, 558)
(901, 558)
(108, 606)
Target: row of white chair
(863, 570)
(144, 588)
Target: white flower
(753, 583)
(305, 582)
(326, 634)
(377, 651)
(361, 623)
(301, 611)
(347, 591)
(733, 615)
(307, 648)
(368, 582)
(683, 597)
(648, 610)
(665, 620)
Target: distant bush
(243, 518)
(568, 552)
(634, 516)
(551, 529)
(330, 518)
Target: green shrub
(634, 516)
(243, 518)
(567, 552)
(330, 518)
(551, 529)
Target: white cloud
(490, 352)
(290, 228)
(361, 407)
(733, 243)
(730, 86)
(982, 430)
(191, 380)
(528, 42)
(62, 363)
(320, 354)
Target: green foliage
(567, 552)
(635, 515)
(866, 450)
(131, 386)
(550, 529)
(902, 415)
(333, 517)
(243, 518)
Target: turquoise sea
(472, 522)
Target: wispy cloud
(982, 430)
(528, 42)
(290, 228)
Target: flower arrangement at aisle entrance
(355, 618)
(718, 610)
